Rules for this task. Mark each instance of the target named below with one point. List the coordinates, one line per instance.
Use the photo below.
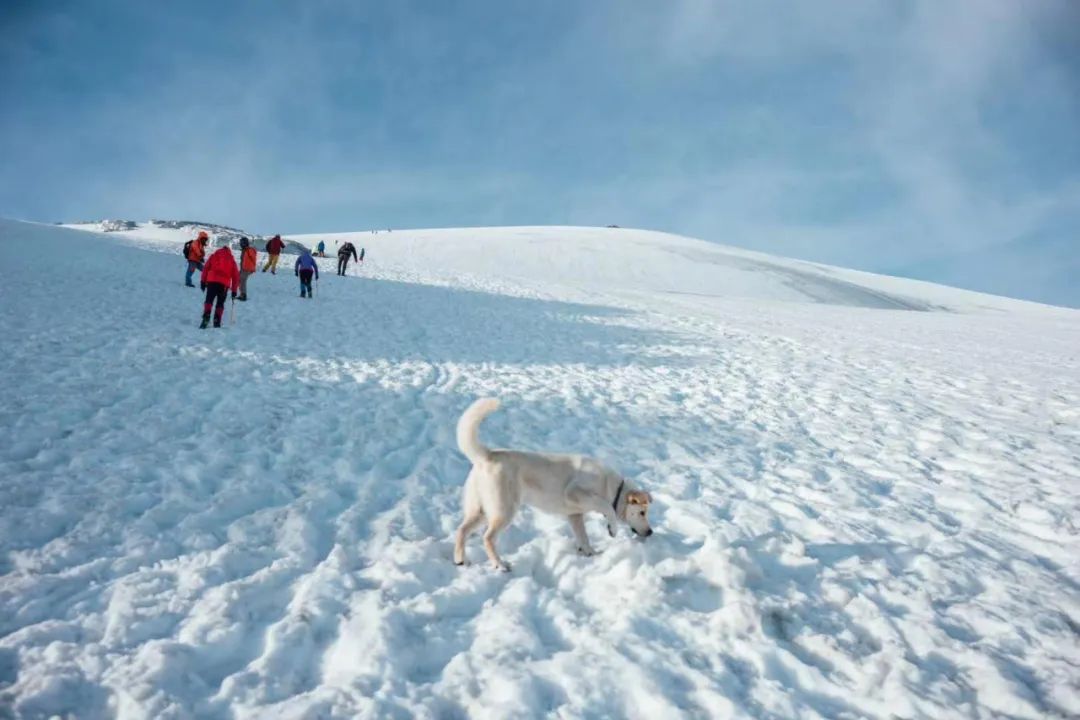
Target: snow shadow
(818, 286)
(397, 321)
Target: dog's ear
(638, 497)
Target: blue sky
(935, 138)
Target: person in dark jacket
(273, 249)
(305, 268)
(343, 257)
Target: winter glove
(202, 286)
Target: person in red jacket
(273, 249)
(249, 263)
(219, 273)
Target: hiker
(273, 248)
(305, 267)
(194, 252)
(249, 262)
(322, 249)
(343, 257)
(220, 273)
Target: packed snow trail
(861, 512)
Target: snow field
(861, 512)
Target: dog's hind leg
(474, 513)
(495, 525)
(468, 525)
(577, 524)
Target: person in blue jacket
(305, 268)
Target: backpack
(187, 249)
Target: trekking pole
(232, 312)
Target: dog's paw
(585, 552)
(501, 566)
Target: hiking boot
(217, 322)
(205, 322)
(190, 284)
(242, 298)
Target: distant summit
(194, 226)
(177, 232)
(209, 227)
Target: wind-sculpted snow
(861, 511)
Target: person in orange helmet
(194, 252)
(249, 262)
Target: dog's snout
(648, 533)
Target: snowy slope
(861, 511)
(619, 261)
(653, 262)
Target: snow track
(861, 512)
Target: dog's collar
(618, 494)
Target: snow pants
(214, 292)
(271, 264)
(305, 282)
(244, 275)
(192, 266)
(342, 264)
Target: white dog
(570, 485)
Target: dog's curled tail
(468, 429)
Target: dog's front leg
(612, 521)
(577, 524)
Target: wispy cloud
(919, 94)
